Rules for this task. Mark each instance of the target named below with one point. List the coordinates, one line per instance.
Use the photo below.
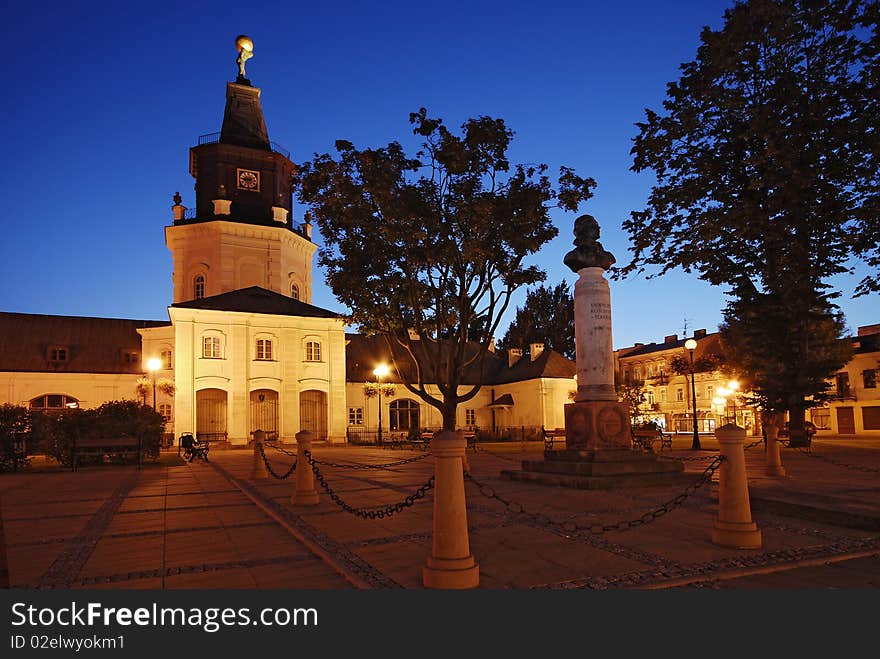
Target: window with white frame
(313, 351)
(355, 416)
(264, 350)
(212, 347)
(165, 356)
(199, 287)
(165, 411)
(470, 417)
(679, 395)
(663, 395)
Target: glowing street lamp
(153, 365)
(691, 345)
(733, 385)
(380, 372)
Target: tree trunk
(797, 434)
(449, 407)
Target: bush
(112, 419)
(14, 432)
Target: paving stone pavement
(204, 525)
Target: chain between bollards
(598, 529)
(351, 465)
(366, 513)
(480, 449)
(863, 468)
(269, 466)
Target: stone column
(592, 329)
(772, 460)
(305, 493)
(451, 564)
(258, 467)
(734, 526)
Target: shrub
(14, 431)
(112, 419)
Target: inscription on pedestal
(600, 311)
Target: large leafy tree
(766, 167)
(547, 317)
(427, 249)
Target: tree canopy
(547, 317)
(427, 249)
(766, 156)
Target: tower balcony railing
(213, 138)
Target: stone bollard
(4, 560)
(451, 564)
(258, 468)
(734, 526)
(772, 460)
(305, 493)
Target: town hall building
(243, 346)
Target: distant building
(853, 410)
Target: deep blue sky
(103, 101)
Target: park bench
(552, 436)
(644, 438)
(191, 448)
(121, 447)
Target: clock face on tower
(248, 180)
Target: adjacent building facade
(853, 410)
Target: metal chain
(269, 466)
(863, 468)
(480, 449)
(753, 444)
(292, 454)
(598, 529)
(367, 513)
(688, 458)
(351, 465)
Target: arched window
(264, 350)
(199, 287)
(403, 414)
(313, 351)
(294, 291)
(53, 402)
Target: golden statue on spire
(245, 47)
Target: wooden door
(846, 421)
(264, 412)
(211, 415)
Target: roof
(93, 345)
(363, 353)
(258, 300)
(243, 122)
(708, 344)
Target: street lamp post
(380, 372)
(153, 365)
(690, 344)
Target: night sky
(103, 101)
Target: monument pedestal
(599, 454)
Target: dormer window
(58, 353)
